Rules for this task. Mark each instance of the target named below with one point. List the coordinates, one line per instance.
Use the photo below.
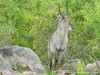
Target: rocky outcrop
(12, 57)
(93, 68)
(5, 65)
(72, 64)
(63, 72)
(31, 73)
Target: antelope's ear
(65, 16)
(59, 17)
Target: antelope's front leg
(50, 59)
(50, 64)
(58, 46)
(56, 61)
(62, 58)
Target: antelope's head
(64, 19)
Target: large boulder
(21, 56)
(31, 73)
(93, 68)
(5, 66)
(63, 72)
(72, 64)
(7, 72)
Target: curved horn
(59, 10)
(67, 13)
(66, 8)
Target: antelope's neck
(62, 30)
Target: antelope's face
(65, 20)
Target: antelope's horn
(59, 10)
(66, 8)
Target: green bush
(30, 23)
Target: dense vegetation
(30, 23)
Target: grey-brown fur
(58, 43)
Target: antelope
(58, 43)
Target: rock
(27, 73)
(5, 65)
(21, 56)
(73, 74)
(6, 68)
(46, 67)
(72, 63)
(6, 72)
(63, 72)
(16, 73)
(1, 56)
(93, 68)
(31, 73)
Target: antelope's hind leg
(56, 60)
(50, 59)
(62, 59)
(50, 64)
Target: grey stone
(72, 64)
(31, 73)
(93, 68)
(5, 65)
(22, 56)
(63, 72)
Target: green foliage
(30, 23)
(81, 70)
(50, 73)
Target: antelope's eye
(66, 21)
